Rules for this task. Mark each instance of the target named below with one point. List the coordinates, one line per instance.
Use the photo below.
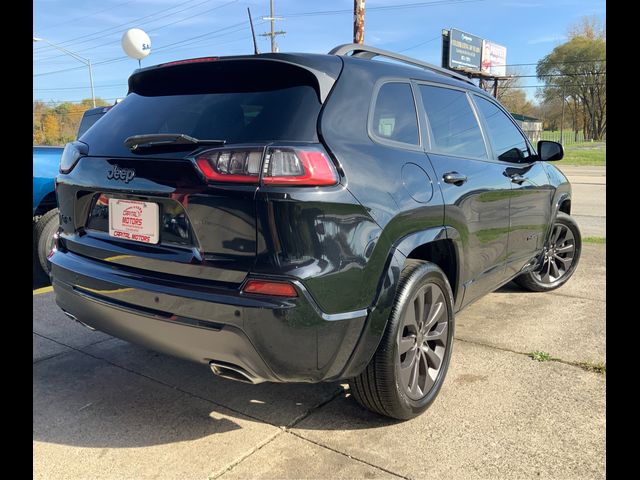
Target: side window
(508, 143)
(454, 128)
(394, 116)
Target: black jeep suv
(306, 218)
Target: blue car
(46, 162)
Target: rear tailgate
(202, 232)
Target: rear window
(231, 109)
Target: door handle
(517, 178)
(454, 177)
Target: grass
(599, 240)
(540, 356)
(597, 367)
(575, 155)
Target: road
(106, 409)
(588, 203)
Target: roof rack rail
(365, 51)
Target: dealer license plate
(138, 221)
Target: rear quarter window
(394, 115)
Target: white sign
(133, 220)
(494, 58)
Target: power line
(72, 41)
(545, 86)
(75, 19)
(93, 47)
(419, 44)
(381, 8)
(186, 41)
(82, 88)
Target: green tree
(576, 73)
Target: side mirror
(550, 151)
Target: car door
(474, 188)
(531, 191)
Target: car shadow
(117, 395)
(40, 279)
(512, 287)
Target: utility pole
(272, 33)
(562, 117)
(358, 21)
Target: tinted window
(508, 143)
(454, 128)
(285, 114)
(395, 116)
(88, 120)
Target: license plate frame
(134, 220)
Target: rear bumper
(278, 340)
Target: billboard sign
(465, 50)
(494, 58)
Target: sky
(179, 29)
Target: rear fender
(381, 309)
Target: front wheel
(406, 372)
(559, 258)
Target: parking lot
(107, 409)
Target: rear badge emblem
(124, 174)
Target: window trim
(423, 113)
(419, 147)
(533, 152)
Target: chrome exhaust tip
(231, 372)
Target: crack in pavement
(62, 344)
(238, 461)
(559, 294)
(351, 457)
(283, 429)
(581, 365)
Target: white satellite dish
(136, 43)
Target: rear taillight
(71, 154)
(274, 165)
(298, 166)
(231, 165)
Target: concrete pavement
(107, 409)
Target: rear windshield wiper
(151, 140)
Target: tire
(559, 259)
(46, 227)
(382, 387)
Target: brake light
(190, 60)
(263, 287)
(295, 166)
